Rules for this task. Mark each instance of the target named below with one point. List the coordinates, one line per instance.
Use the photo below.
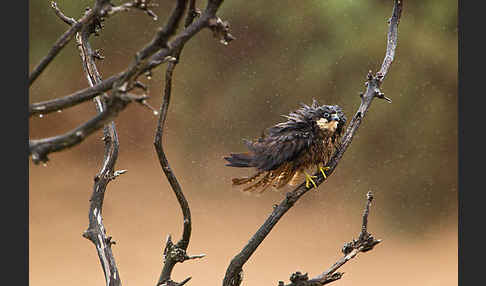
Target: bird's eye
(326, 114)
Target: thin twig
(177, 253)
(174, 253)
(143, 5)
(232, 276)
(60, 14)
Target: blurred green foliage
(288, 52)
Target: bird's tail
(262, 180)
(245, 180)
(262, 183)
(240, 160)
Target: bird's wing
(284, 143)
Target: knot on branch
(365, 243)
(98, 54)
(374, 82)
(90, 234)
(173, 252)
(38, 156)
(96, 24)
(369, 243)
(348, 247)
(298, 277)
(110, 241)
(221, 30)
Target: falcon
(288, 150)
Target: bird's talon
(322, 169)
(308, 180)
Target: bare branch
(65, 38)
(121, 83)
(365, 243)
(96, 231)
(67, 20)
(40, 148)
(78, 97)
(158, 52)
(392, 38)
(232, 276)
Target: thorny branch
(159, 50)
(233, 275)
(96, 232)
(364, 243)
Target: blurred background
(286, 53)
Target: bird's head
(329, 118)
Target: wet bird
(286, 152)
